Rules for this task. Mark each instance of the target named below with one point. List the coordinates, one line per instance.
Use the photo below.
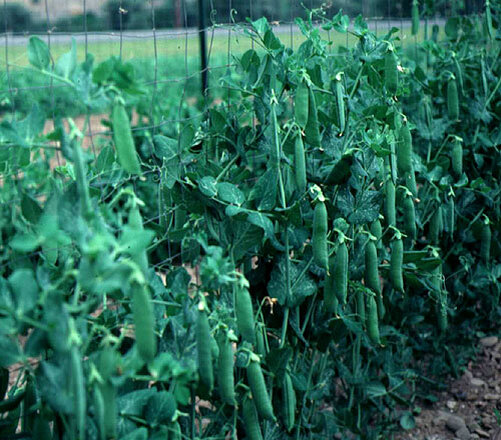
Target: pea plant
(300, 262)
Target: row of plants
(302, 262)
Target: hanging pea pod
(144, 322)
(312, 129)
(436, 225)
(415, 17)
(373, 320)
(389, 204)
(396, 261)
(124, 142)
(390, 72)
(457, 158)
(340, 280)
(225, 376)
(203, 337)
(301, 106)
(340, 102)
(377, 231)
(485, 241)
(488, 20)
(245, 314)
(319, 239)
(300, 164)
(452, 100)
(330, 299)
(259, 391)
(251, 420)
(289, 399)
(404, 150)
(409, 217)
(79, 393)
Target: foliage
(121, 295)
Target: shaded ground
(471, 407)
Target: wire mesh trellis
(173, 64)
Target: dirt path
(471, 407)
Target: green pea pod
(390, 72)
(410, 182)
(251, 420)
(259, 391)
(396, 261)
(312, 130)
(205, 367)
(260, 343)
(99, 412)
(372, 320)
(410, 218)
(389, 203)
(371, 268)
(450, 216)
(225, 370)
(340, 281)
(485, 243)
(319, 240)
(30, 400)
(301, 104)
(110, 409)
(79, 394)
(340, 105)
(435, 30)
(289, 398)
(404, 150)
(330, 298)
(442, 317)
(488, 20)
(377, 231)
(245, 314)
(124, 142)
(81, 179)
(457, 158)
(435, 226)
(144, 322)
(300, 164)
(415, 17)
(136, 222)
(452, 100)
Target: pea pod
(99, 412)
(410, 183)
(409, 217)
(457, 158)
(225, 370)
(390, 72)
(330, 298)
(30, 400)
(389, 203)
(124, 142)
(340, 103)
(450, 216)
(312, 130)
(245, 314)
(485, 242)
(372, 320)
(289, 399)
(377, 231)
(136, 222)
(205, 368)
(144, 322)
(251, 420)
(488, 20)
(396, 261)
(404, 150)
(319, 240)
(78, 391)
(340, 280)
(436, 226)
(300, 164)
(301, 104)
(415, 17)
(371, 267)
(452, 100)
(259, 392)
(442, 316)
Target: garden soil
(471, 406)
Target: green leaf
(407, 421)
(229, 193)
(25, 242)
(67, 62)
(38, 53)
(300, 288)
(25, 289)
(208, 186)
(137, 434)
(160, 408)
(30, 209)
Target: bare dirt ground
(471, 406)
